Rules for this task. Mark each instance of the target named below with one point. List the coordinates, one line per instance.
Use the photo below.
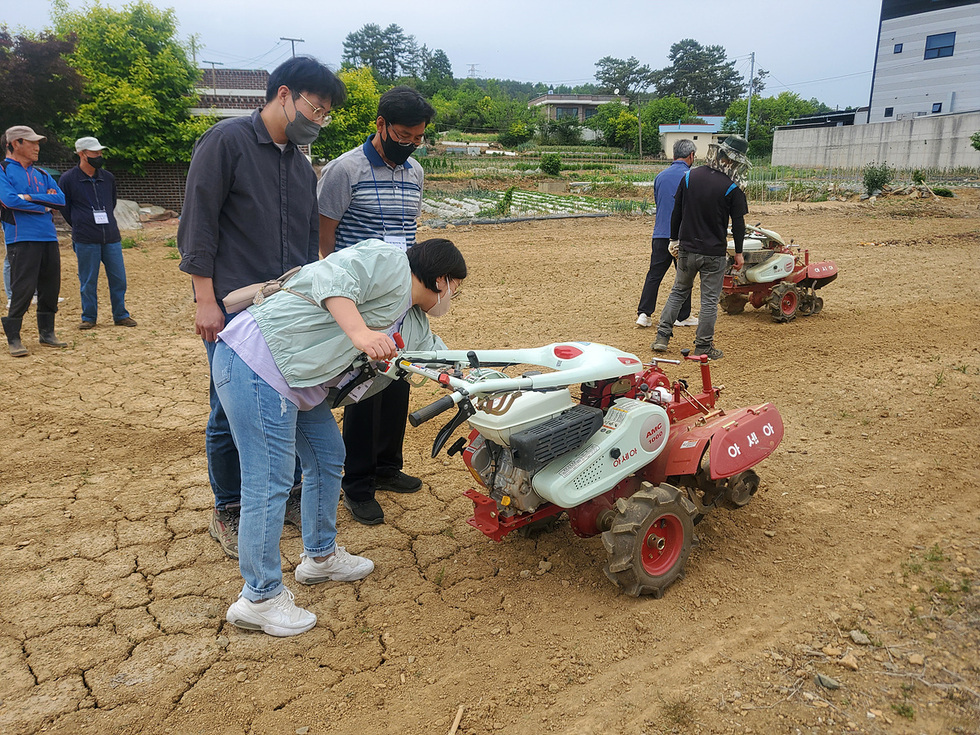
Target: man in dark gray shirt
(249, 215)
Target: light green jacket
(306, 342)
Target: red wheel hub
(662, 545)
(789, 302)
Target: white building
(928, 59)
(701, 134)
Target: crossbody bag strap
(303, 296)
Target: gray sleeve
(208, 180)
(333, 191)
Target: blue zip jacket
(32, 220)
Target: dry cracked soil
(845, 598)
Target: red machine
(776, 275)
(637, 458)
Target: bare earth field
(112, 594)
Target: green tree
(139, 83)
(767, 113)
(667, 111)
(437, 73)
(518, 132)
(353, 122)
(475, 107)
(629, 76)
(702, 75)
(617, 124)
(38, 87)
(975, 140)
(663, 111)
(564, 131)
(389, 52)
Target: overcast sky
(816, 49)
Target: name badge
(399, 241)
(101, 217)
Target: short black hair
(434, 258)
(405, 106)
(306, 74)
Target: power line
(254, 59)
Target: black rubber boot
(45, 328)
(11, 327)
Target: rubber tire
(733, 303)
(662, 513)
(782, 312)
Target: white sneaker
(691, 321)
(644, 320)
(278, 616)
(338, 567)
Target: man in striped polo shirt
(375, 191)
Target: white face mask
(443, 303)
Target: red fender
(747, 437)
(738, 441)
(825, 270)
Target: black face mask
(394, 151)
(96, 161)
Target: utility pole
(293, 41)
(214, 74)
(639, 122)
(748, 109)
(471, 74)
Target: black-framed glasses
(393, 134)
(320, 114)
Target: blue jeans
(224, 470)
(269, 432)
(90, 255)
(711, 269)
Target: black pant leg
(660, 262)
(391, 436)
(361, 424)
(25, 265)
(49, 278)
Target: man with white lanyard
(90, 198)
(375, 191)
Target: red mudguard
(824, 270)
(739, 440)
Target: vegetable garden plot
(514, 203)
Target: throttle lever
(464, 410)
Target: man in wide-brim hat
(707, 198)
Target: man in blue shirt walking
(664, 188)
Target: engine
(543, 448)
(511, 443)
